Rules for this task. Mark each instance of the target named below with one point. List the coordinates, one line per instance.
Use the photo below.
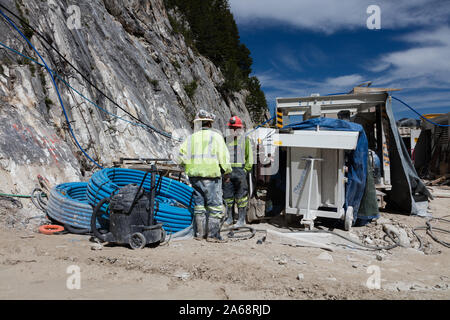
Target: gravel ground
(36, 266)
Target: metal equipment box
(315, 173)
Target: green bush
(190, 88)
(48, 103)
(153, 82)
(175, 64)
(33, 69)
(43, 82)
(27, 31)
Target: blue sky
(300, 47)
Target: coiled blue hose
(68, 205)
(174, 203)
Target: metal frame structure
(361, 100)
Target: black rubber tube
(76, 230)
(94, 229)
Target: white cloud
(425, 65)
(422, 71)
(345, 81)
(329, 16)
(290, 61)
(275, 85)
(288, 58)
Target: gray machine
(315, 173)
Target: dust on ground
(35, 266)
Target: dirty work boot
(241, 220)
(214, 230)
(200, 224)
(229, 220)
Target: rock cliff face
(128, 50)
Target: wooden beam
(369, 90)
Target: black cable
(16, 202)
(432, 235)
(39, 203)
(74, 230)
(41, 200)
(234, 230)
(167, 135)
(418, 238)
(36, 199)
(429, 229)
(166, 241)
(37, 217)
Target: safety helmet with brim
(204, 115)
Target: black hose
(74, 230)
(94, 230)
(36, 199)
(418, 238)
(166, 241)
(137, 194)
(16, 202)
(429, 229)
(233, 230)
(433, 236)
(41, 200)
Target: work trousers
(207, 196)
(236, 190)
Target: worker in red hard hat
(235, 189)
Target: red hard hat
(235, 122)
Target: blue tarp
(357, 159)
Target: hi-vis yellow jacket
(204, 153)
(241, 153)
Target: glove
(226, 177)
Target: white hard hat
(204, 115)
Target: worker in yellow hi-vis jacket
(235, 190)
(205, 156)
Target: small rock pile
(376, 234)
(19, 214)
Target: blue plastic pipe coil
(174, 203)
(68, 205)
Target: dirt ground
(35, 266)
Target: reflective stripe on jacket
(241, 154)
